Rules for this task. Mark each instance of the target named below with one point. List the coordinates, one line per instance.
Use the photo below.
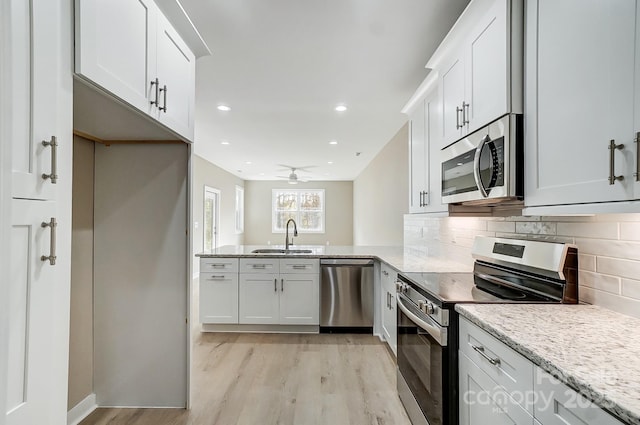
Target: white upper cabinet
(581, 65)
(130, 49)
(480, 67)
(418, 161)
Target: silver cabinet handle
(299, 266)
(164, 95)
(421, 195)
(282, 285)
(156, 84)
(612, 161)
(275, 285)
(388, 302)
(637, 141)
(53, 143)
(458, 126)
(217, 277)
(52, 242)
(217, 266)
(465, 113)
(480, 350)
(259, 266)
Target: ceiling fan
(292, 178)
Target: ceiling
(283, 65)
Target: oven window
(420, 360)
(457, 175)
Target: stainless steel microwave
(485, 167)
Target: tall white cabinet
(36, 108)
(582, 99)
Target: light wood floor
(281, 379)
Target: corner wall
(608, 248)
(381, 195)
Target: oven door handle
(476, 166)
(427, 324)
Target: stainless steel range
(505, 271)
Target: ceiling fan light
(293, 182)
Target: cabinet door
(487, 69)
(389, 318)
(34, 51)
(578, 99)
(560, 405)
(115, 48)
(33, 364)
(259, 301)
(219, 297)
(417, 160)
(452, 95)
(176, 72)
(434, 161)
(299, 299)
(483, 402)
(636, 194)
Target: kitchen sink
(281, 251)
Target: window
(239, 209)
(211, 217)
(305, 206)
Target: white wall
(608, 248)
(140, 278)
(208, 174)
(338, 213)
(81, 319)
(381, 195)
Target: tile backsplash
(608, 248)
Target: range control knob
(401, 287)
(421, 304)
(429, 308)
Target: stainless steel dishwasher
(346, 295)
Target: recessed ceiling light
(333, 142)
(224, 108)
(224, 142)
(329, 162)
(248, 162)
(341, 108)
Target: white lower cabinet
(389, 313)
(499, 386)
(252, 291)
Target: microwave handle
(476, 166)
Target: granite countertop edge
(579, 385)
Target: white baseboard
(82, 410)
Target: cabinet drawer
(218, 265)
(300, 265)
(507, 368)
(562, 405)
(259, 265)
(218, 297)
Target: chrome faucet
(295, 233)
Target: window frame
(239, 213)
(275, 192)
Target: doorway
(211, 218)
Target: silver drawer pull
(156, 83)
(217, 277)
(259, 266)
(217, 266)
(480, 351)
(299, 266)
(163, 108)
(275, 285)
(637, 141)
(52, 242)
(54, 160)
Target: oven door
(422, 364)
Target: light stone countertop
(593, 350)
(400, 258)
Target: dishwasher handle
(359, 262)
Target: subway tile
(598, 281)
(501, 226)
(586, 262)
(631, 288)
(536, 227)
(475, 223)
(525, 218)
(618, 217)
(618, 267)
(630, 231)
(624, 305)
(597, 230)
(570, 218)
(609, 248)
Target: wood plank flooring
(281, 379)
